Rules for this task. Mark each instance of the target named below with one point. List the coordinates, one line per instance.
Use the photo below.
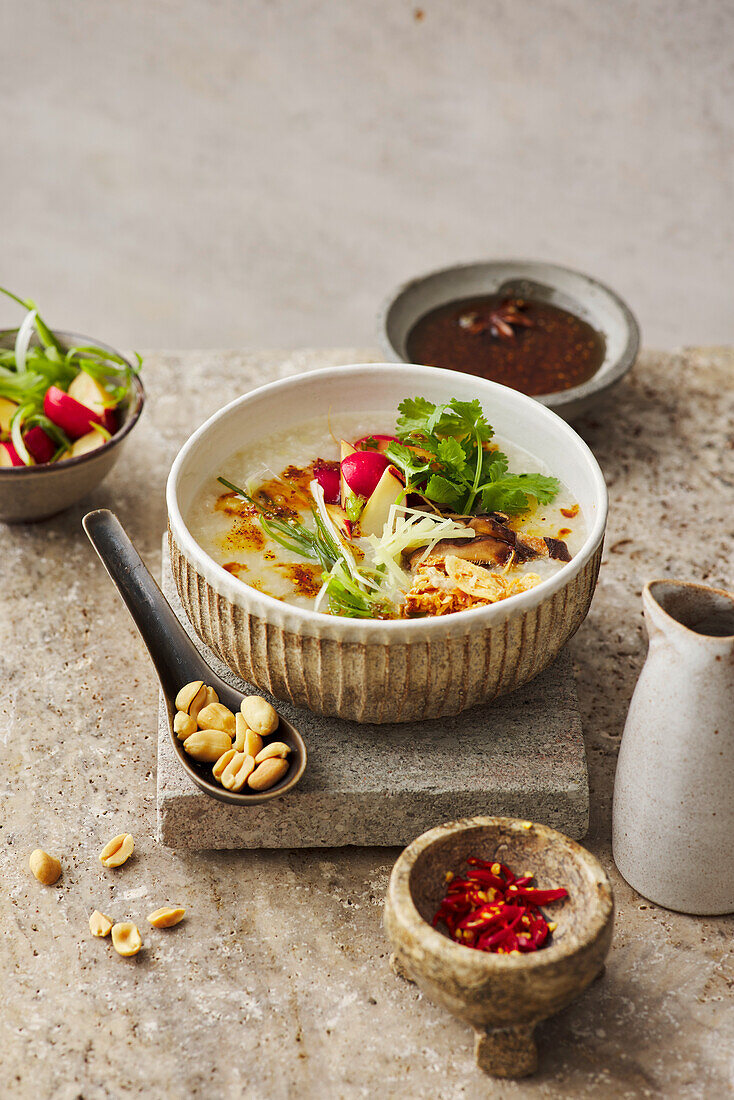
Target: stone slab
(523, 756)
(284, 951)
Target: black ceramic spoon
(177, 660)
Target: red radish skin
(382, 441)
(363, 470)
(39, 444)
(9, 456)
(70, 415)
(328, 479)
(89, 393)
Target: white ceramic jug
(673, 827)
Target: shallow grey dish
(543, 282)
(29, 493)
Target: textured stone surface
(276, 985)
(522, 757)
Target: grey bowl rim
(595, 385)
(42, 469)
(488, 963)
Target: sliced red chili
(542, 897)
(493, 910)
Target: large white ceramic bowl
(382, 671)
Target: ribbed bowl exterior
(377, 682)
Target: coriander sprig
(456, 468)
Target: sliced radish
(339, 518)
(344, 493)
(39, 444)
(363, 470)
(9, 456)
(70, 415)
(86, 443)
(87, 391)
(7, 408)
(327, 475)
(389, 491)
(382, 441)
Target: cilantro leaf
(459, 471)
(510, 492)
(443, 491)
(405, 459)
(451, 454)
(494, 465)
(462, 418)
(415, 414)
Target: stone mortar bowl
(368, 670)
(503, 997)
(30, 493)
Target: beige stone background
(225, 173)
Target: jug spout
(673, 816)
(694, 613)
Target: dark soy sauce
(534, 347)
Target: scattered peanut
(268, 773)
(184, 725)
(215, 716)
(275, 748)
(207, 746)
(119, 849)
(259, 715)
(237, 772)
(187, 694)
(46, 868)
(222, 762)
(126, 938)
(99, 924)
(166, 917)
(211, 696)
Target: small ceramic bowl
(371, 670)
(536, 281)
(502, 996)
(29, 493)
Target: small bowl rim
(555, 400)
(300, 618)
(407, 915)
(55, 468)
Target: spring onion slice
(346, 554)
(23, 339)
(16, 433)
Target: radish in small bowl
(66, 403)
